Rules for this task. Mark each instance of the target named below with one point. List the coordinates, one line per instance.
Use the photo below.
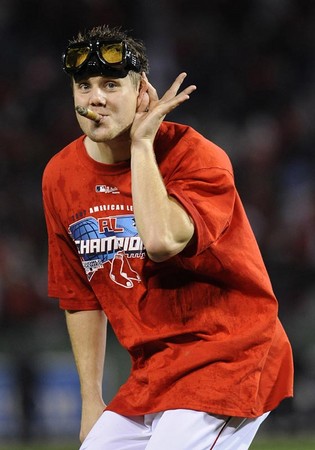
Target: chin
(99, 135)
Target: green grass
(259, 444)
(284, 444)
(39, 446)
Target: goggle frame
(128, 58)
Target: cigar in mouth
(88, 113)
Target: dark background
(254, 66)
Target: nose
(97, 97)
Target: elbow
(161, 246)
(159, 257)
(157, 252)
(162, 250)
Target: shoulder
(183, 141)
(63, 159)
(173, 132)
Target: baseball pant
(179, 429)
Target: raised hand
(152, 110)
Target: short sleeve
(66, 277)
(199, 175)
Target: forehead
(101, 79)
(131, 80)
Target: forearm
(87, 331)
(163, 224)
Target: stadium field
(284, 444)
(263, 444)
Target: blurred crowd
(253, 62)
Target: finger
(173, 90)
(167, 105)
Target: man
(146, 229)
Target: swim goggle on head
(99, 57)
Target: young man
(146, 228)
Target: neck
(107, 153)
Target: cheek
(76, 97)
(125, 112)
(130, 107)
(83, 123)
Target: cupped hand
(152, 110)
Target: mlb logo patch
(106, 189)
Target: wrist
(144, 144)
(91, 391)
(94, 402)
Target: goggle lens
(112, 53)
(76, 57)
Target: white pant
(179, 429)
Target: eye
(111, 85)
(83, 86)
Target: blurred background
(254, 64)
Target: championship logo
(108, 240)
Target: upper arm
(176, 238)
(208, 196)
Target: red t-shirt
(201, 328)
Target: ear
(142, 94)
